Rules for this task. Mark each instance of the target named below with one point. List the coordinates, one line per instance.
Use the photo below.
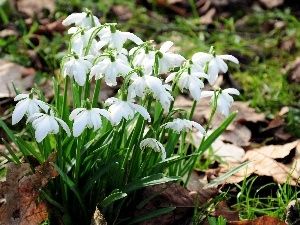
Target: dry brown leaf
(98, 218)
(239, 136)
(22, 192)
(293, 71)
(292, 212)
(263, 220)
(272, 3)
(13, 72)
(33, 7)
(172, 195)
(223, 210)
(10, 190)
(122, 12)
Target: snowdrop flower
(84, 19)
(117, 38)
(27, 104)
(138, 86)
(124, 109)
(155, 145)
(77, 67)
(45, 124)
(215, 64)
(81, 39)
(160, 91)
(224, 100)
(112, 66)
(179, 125)
(168, 60)
(84, 117)
(144, 58)
(189, 79)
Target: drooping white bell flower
(116, 38)
(224, 100)
(77, 67)
(155, 145)
(111, 66)
(80, 41)
(124, 109)
(160, 91)
(27, 105)
(178, 125)
(190, 79)
(45, 124)
(84, 117)
(168, 60)
(144, 58)
(216, 64)
(83, 19)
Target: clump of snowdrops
(106, 151)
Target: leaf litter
(21, 203)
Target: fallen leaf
(98, 218)
(122, 12)
(13, 72)
(172, 195)
(293, 71)
(223, 210)
(21, 193)
(263, 220)
(272, 3)
(32, 7)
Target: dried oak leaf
(263, 163)
(263, 220)
(22, 193)
(223, 210)
(9, 211)
(172, 195)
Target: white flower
(46, 124)
(168, 60)
(117, 38)
(143, 59)
(77, 67)
(224, 100)
(155, 145)
(190, 80)
(182, 124)
(215, 64)
(27, 104)
(138, 86)
(124, 109)
(112, 67)
(160, 91)
(87, 118)
(82, 19)
(81, 39)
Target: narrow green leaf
(228, 174)
(211, 138)
(114, 196)
(152, 214)
(71, 185)
(53, 202)
(148, 181)
(11, 152)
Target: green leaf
(98, 174)
(226, 175)
(152, 214)
(211, 138)
(71, 185)
(148, 181)
(11, 152)
(114, 196)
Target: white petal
(166, 46)
(132, 37)
(79, 124)
(75, 113)
(64, 125)
(21, 96)
(231, 91)
(19, 111)
(230, 58)
(141, 110)
(198, 126)
(202, 58)
(207, 94)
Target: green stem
(96, 93)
